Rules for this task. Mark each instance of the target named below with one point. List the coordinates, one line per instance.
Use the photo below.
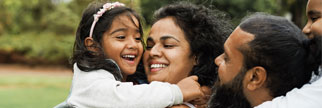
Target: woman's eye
(314, 18)
(225, 58)
(168, 46)
(120, 37)
(148, 47)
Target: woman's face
(168, 56)
(122, 43)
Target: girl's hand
(202, 101)
(180, 106)
(190, 88)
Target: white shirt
(309, 96)
(99, 89)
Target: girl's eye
(120, 37)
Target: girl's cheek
(317, 27)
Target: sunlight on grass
(26, 91)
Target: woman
(183, 41)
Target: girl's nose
(307, 29)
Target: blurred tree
(62, 20)
(297, 10)
(237, 9)
(19, 14)
(37, 28)
(149, 6)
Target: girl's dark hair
(205, 30)
(88, 60)
(279, 46)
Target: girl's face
(122, 43)
(314, 16)
(168, 56)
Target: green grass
(26, 91)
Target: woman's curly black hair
(206, 31)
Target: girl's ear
(89, 44)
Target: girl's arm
(100, 89)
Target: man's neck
(258, 97)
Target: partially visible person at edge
(183, 41)
(310, 95)
(265, 57)
(108, 48)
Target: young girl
(108, 48)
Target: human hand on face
(190, 88)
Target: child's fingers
(194, 77)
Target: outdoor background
(36, 40)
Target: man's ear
(89, 43)
(255, 78)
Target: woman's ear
(195, 60)
(89, 44)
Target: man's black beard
(229, 95)
(317, 40)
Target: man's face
(314, 15)
(228, 91)
(231, 61)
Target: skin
(314, 15)
(230, 64)
(121, 39)
(167, 45)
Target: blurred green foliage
(237, 9)
(39, 46)
(45, 29)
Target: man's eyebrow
(314, 12)
(117, 30)
(168, 37)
